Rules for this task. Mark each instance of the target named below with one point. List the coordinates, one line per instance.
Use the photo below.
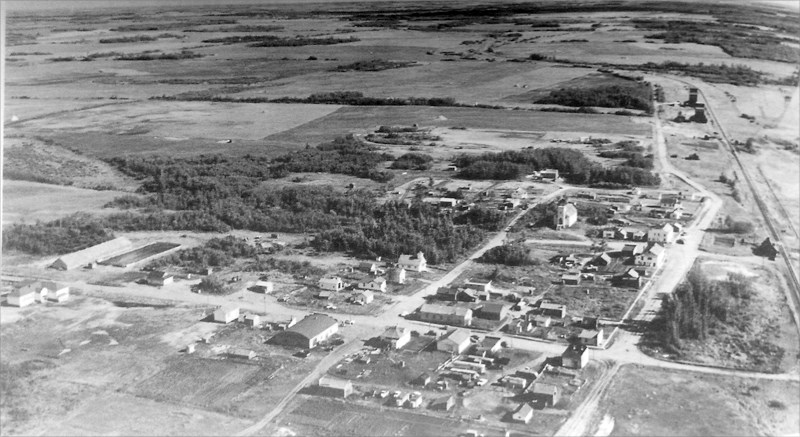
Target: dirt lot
(648, 401)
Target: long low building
(451, 315)
(93, 254)
(309, 332)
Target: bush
(510, 255)
(211, 285)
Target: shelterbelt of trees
(572, 164)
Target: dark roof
(574, 350)
(493, 307)
(313, 325)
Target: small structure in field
(264, 287)
(159, 278)
(226, 314)
(334, 387)
(54, 291)
(241, 353)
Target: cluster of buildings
(31, 291)
(377, 281)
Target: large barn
(92, 254)
(309, 332)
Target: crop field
(31, 201)
(325, 417)
(139, 254)
(350, 119)
(213, 384)
(648, 401)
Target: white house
(396, 337)
(663, 235)
(363, 297)
(416, 263)
(23, 296)
(397, 275)
(652, 257)
(226, 314)
(331, 284)
(55, 292)
(377, 284)
(456, 343)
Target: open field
(30, 201)
(648, 401)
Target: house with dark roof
(493, 311)
(450, 315)
(443, 403)
(490, 346)
(575, 356)
(309, 332)
(631, 278)
(395, 337)
(544, 394)
(368, 267)
(631, 249)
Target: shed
(523, 414)
(333, 283)
(591, 337)
(443, 403)
(55, 291)
(368, 267)
(159, 278)
(456, 342)
(547, 394)
(552, 309)
(226, 314)
(334, 387)
(422, 380)
(264, 287)
(571, 279)
(252, 320)
(237, 352)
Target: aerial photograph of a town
(400, 218)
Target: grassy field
(31, 201)
(648, 401)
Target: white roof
(94, 253)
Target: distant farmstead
(93, 254)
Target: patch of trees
(738, 226)
(122, 39)
(374, 65)
(699, 305)
(633, 96)
(279, 41)
(716, 73)
(304, 268)
(395, 228)
(413, 161)
(740, 42)
(216, 252)
(357, 98)
(575, 167)
(490, 219)
(510, 255)
(147, 56)
(344, 155)
(57, 237)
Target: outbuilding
(226, 314)
(443, 403)
(159, 278)
(54, 291)
(493, 311)
(546, 394)
(309, 332)
(523, 414)
(331, 284)
(456, 342)
(334, 387)
(363, 297)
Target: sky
(32, 5)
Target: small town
(500, 232)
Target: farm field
(646, 401)
(25, 201)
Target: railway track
(774, 232)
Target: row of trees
(632, 96)
(57, 237)
(510, 255)
(572, 164)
